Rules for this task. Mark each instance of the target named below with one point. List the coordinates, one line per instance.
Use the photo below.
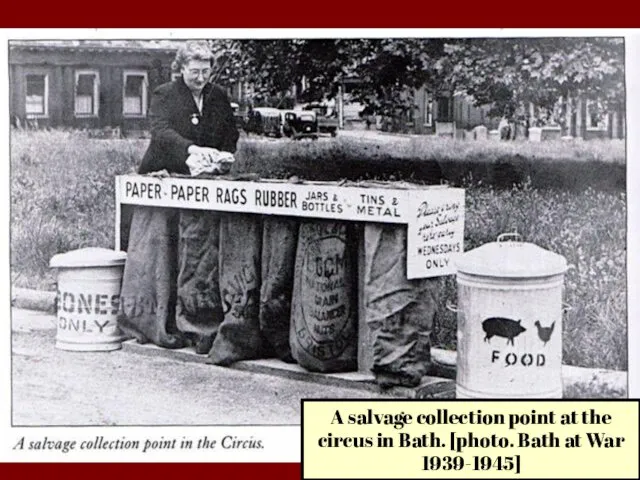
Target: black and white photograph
(206, 229)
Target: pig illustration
(502, 327)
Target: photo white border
(283, 443)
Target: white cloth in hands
(215, 162)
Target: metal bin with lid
(88, 299)
(510, 321)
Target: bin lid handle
(510, 236)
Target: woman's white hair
(192, 50)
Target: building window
(597, 118)
(37, 98)
(428, 110)
(134, 102)
(87, 94)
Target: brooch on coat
(195, 118)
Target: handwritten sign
(435, 233)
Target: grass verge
(62, 198)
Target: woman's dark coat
(152, 271)
(172, 112)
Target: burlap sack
(148, 294)
(324, 324)
(199, 308)
(399, 312)
(279, 241)
(239, 336)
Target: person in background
(504, 127)
(190, 117)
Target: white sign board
(276, 198)
(312, 200)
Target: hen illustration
(544, 332)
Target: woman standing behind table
(189, 116)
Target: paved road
(56, 387)
(377, 135)
(365, 135)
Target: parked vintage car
(327, 121)
(300, 124)
(238, 116)
(265, 121)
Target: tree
(389, 70)
(385, 68)
(274, 67)
(508, 73)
